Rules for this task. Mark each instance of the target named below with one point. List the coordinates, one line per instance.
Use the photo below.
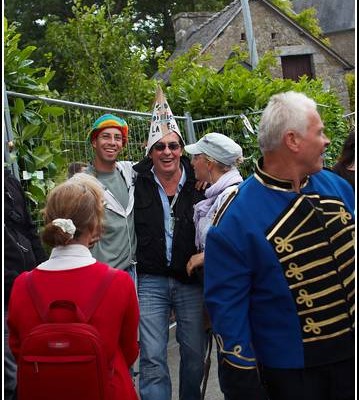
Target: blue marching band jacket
(279, 273)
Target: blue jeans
(9, 366)
(158, 295)
(131, 270)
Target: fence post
(191, 136)
(9, 138)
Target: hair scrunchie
(66, 225)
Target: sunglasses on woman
(159, 146)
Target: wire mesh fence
(73, 125)
(69, 131)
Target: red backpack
(63, 358)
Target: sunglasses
(161, 146)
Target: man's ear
(292, 140)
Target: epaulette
(222, 209)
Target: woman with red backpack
(73, 320)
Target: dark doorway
(294, 67)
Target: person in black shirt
(22, 252)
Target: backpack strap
(100, 293)
(43, 309)
(40, 307)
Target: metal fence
(78, 118)
(76, 121)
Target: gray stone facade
(344, 44)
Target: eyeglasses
(108, 136)
(160, 146)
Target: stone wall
(344, 44)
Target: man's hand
(201, 185)
(196, 261)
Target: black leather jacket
(149, 224)
(22, 246)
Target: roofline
(333, 53)
(221, 29)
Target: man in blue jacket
(279, 268)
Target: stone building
(297, 51)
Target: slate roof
(209, 30)
(333, 15)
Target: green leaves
(99, 59)
(236, 90)
(37, 139)
(54, 111)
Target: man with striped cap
(117, 245)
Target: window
(293, 67)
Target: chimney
(187, 22)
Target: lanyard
(172, 214)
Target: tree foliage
(153, 20)
(36, 137)
(307, 18)
(98, 59)
(350, 82)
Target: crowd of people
(266, 264)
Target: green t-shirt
(117, 246)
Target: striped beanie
(109, 121)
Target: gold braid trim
(238, 366)
(236, 352)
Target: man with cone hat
(164, 197)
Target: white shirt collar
(68, 257)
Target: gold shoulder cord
(218, 215)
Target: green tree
(153, 21)
(99, 59)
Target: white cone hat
(162, 122)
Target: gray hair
(285, 111)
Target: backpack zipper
(36, 367)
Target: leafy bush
(36, 137)
(204, 93)
(350, 81)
